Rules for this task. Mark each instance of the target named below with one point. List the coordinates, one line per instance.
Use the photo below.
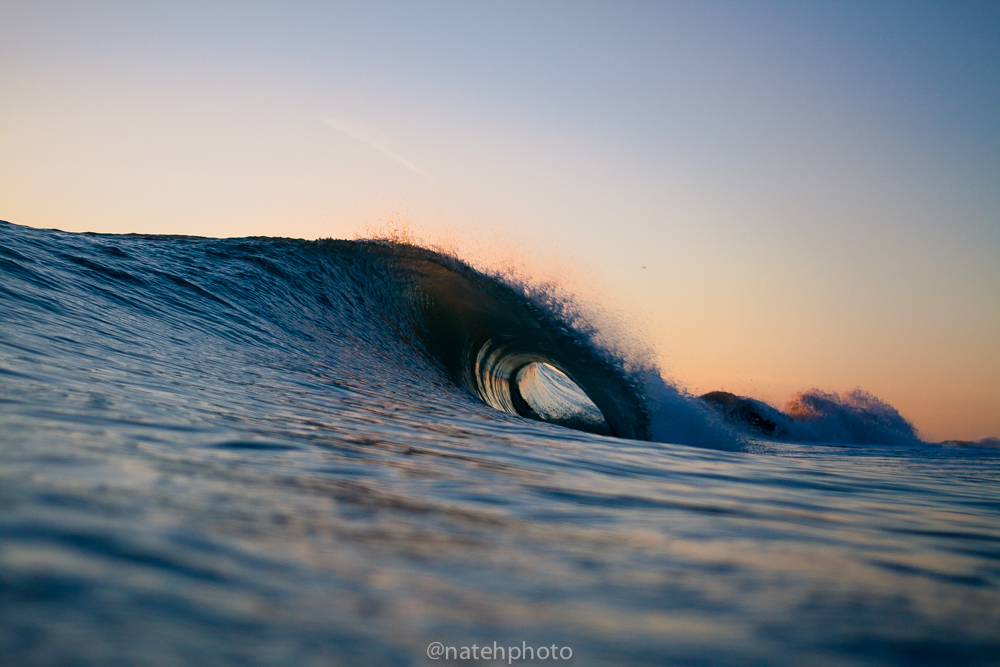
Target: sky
(771, 196)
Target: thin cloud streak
(377, 140)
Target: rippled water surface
(239, 452)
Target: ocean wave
(509, 345)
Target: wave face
(271, 451)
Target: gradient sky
(779, 195)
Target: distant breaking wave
(854, 417)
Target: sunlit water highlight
(244, 452)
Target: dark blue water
(279, 452)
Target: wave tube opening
(545, 393)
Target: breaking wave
(500, 341)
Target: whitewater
(268, 451)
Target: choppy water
(279, 452)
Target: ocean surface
(279, 452)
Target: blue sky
(813, 188)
